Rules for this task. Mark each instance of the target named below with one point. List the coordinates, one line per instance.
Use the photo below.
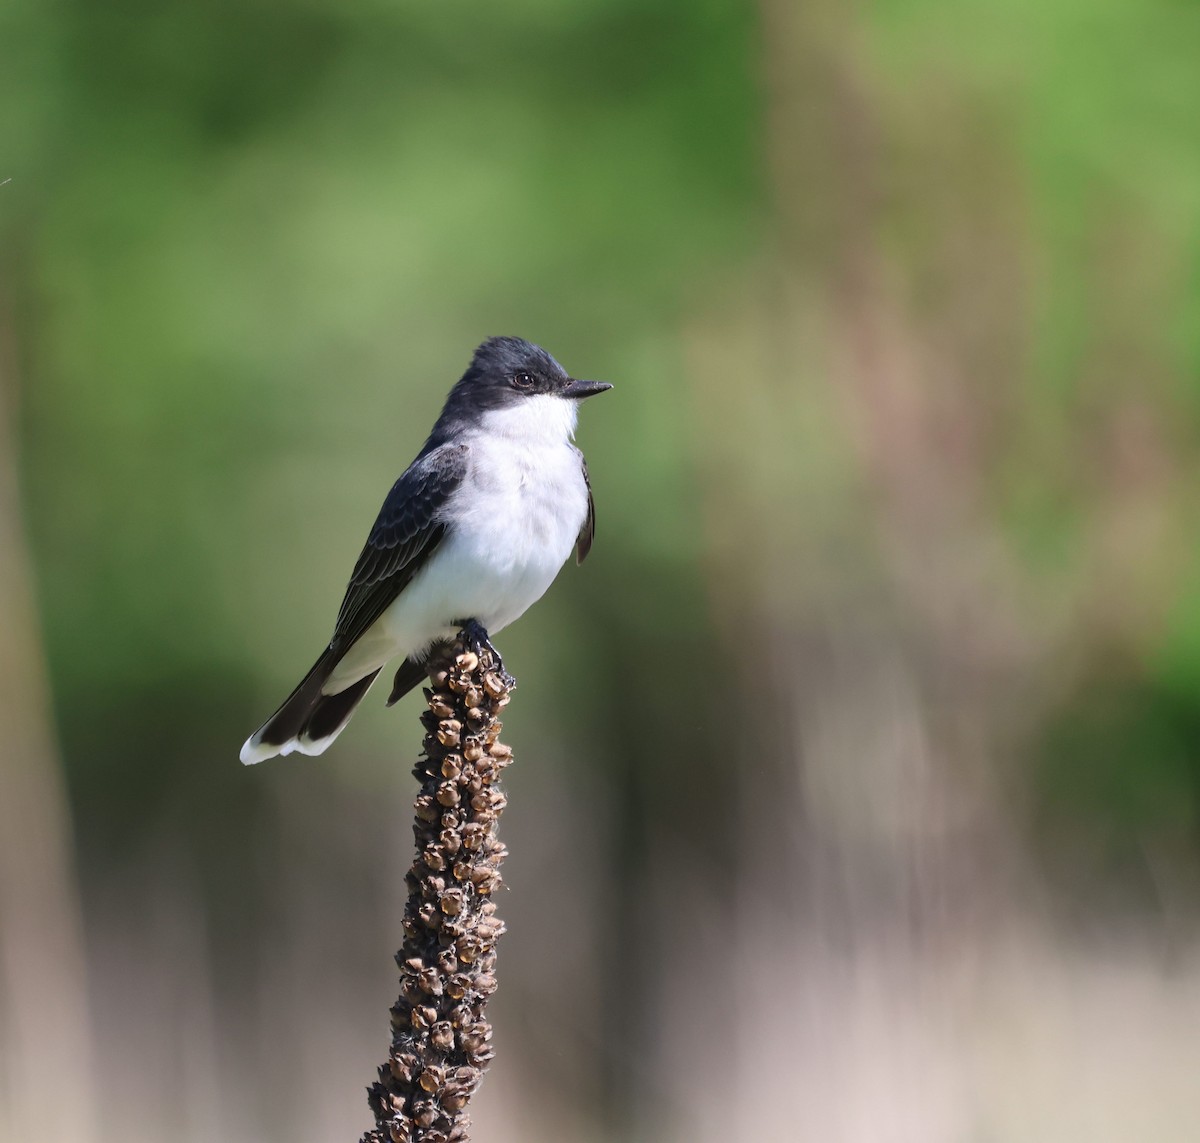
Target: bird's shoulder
(419, 492)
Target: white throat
(542, 420)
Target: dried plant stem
(441, 1041)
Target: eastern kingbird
(471, 535)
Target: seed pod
(442, 707)
(441, 1036)
(472, 835)
(493, 684)
(467, 661)
(432, 1078)
(452, 902)
(486, 881)
(449, 731)
(472, 750)
(452, 766)
(490, 931)
(486, 769)
(448, 794)
(401, 1067)
(482, 1031)
(468, 948)
(425, 808)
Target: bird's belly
(507, 544)
(515, 520)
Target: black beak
(577, 390)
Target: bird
(471, 535)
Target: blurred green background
(858, 782)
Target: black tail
(331, 712)
(408, 675)
(306, 713)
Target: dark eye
(522, 381)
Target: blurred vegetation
(891, 631)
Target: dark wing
(405, 535)
(587, 533)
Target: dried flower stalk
(441, 1040)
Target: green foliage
(251, 244)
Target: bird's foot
(476, 639)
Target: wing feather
(587, 533)
(406, 533)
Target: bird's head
(515, 387)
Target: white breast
(516, 518)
